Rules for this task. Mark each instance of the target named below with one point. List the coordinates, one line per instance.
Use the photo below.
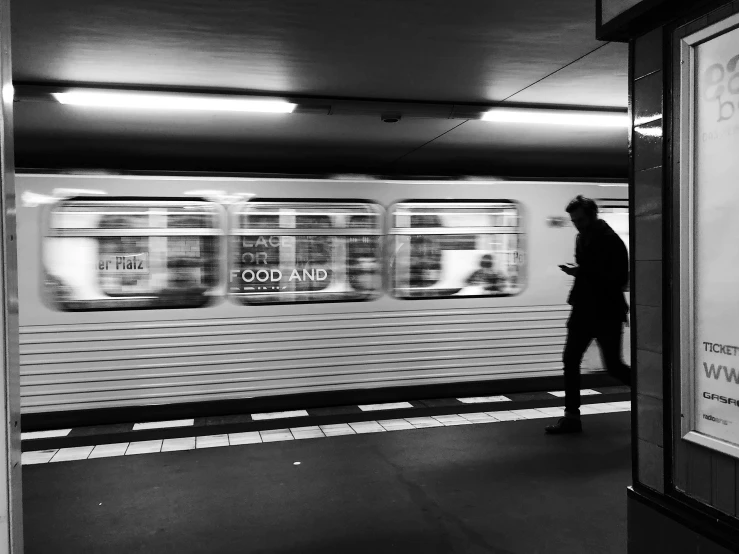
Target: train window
(117, 254)
(305, 251)
(617, 218)
(456, 249)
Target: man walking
(599, 309)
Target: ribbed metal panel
(82, 366)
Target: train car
(155, 290)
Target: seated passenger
(486, 276)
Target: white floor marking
(396, 424)
(626, 404)
(481, 399)
(595, 409)
(619, 408)
(530, 414)
(553, 412)
(45, 434)
(279, 415)
(505, 415)
(71, 454)
(367, 427)
(163, 424)
(312, 432)
(175, 445)
(109, 450)
(583, 392)
(276, 435)
(250, 437)
(338, 429)
(423, 422)
(211, 441)
(479, 417)
(144, 447)
(37, 457)
(452, 419)
(387, 406)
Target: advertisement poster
(716, 231)
(283, 263)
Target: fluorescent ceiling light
(8, 92)
(162, 101)
(557, 117)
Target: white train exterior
(159, 290)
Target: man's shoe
(565, 425)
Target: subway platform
(469, 475)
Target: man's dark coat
(597, 296)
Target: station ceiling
(362, 57)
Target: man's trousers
(579, 335)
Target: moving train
(153, 290)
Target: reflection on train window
(124, 254)
(456, 249)
(305, 251)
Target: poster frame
(685, 233)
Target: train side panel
(104, 359)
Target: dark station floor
(487, 488)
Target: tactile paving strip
(303, 433)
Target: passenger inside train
(486, 276)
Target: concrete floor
(498, 488)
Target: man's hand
(569, 269)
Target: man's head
(583, 212)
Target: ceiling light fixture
(557, 117)
(8, 92)
(166, 101)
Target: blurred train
(139, 291)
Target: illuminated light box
(557, 117)
(172, 102)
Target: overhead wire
(500, 102)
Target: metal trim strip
(424, 369)
(365, 354)
(289, 232)
(278, 340)
(364, 360)
(157, 232)
(307, 318)
(313, 328)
